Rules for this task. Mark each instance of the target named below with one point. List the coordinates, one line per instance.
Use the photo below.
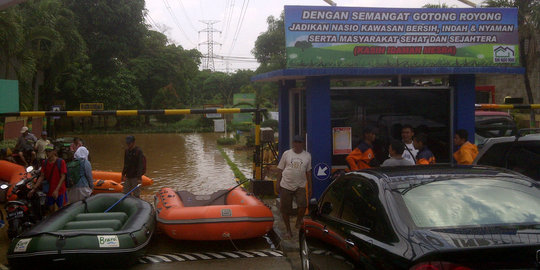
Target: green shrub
(242, 126)
(226, 141)
(250, 141)
(271, 123)
(8, 143)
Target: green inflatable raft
(81, 234)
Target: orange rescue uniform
(360, 157)
(425, 157)
(466, 154)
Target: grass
(226, 141)
(341, 56)
(237, 173)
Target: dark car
(425, 217)
(491, 124)
(518, 153)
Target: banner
(320, 36)
(342, 140)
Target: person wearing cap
(133, 167)
(293, 179)
(41, 143)
(25, 147)
(363, 157)
(53, 176)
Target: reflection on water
(189, 162)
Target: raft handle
(135, 241)
(60, 243)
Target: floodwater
(189, 162)
(182, 161)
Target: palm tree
(50, 43)
(528, 25)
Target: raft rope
(230, 239)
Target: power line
(227, 24)
(176, 21)
(187, 16)
(239, 25)
(152, 22)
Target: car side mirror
(326, 208)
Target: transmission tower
(209, 57)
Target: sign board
(243, 101)
(9, 91)
(342, 140)
(91, 106)
(213, 115)
(321, 171)
(56, 108)
(321, 36)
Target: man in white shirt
(294, 177)
(41, 143)
(407, 134)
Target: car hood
(441, 239)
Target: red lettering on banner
(369, 50)
(450, 50)
(404, 50)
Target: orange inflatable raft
(11, 173)
(117, 177)
(223, 215)
(107, 186)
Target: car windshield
(473, 202)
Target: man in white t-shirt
(407, 134)
(295, 176)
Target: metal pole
(257, 156)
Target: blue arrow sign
(321, 171)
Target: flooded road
(189, 162)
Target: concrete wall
(512, 85)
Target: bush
(226, 141)
(242, 126)
(271, 123)
(8, 144)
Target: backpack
(73, 173)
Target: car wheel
(305, 253)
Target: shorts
(60, 201)
(287, 198)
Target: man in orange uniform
(424, 156)
(467, 151)
(362, 157)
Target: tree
(528, 25)
(11, 39)
(219, 83)
(270, 46)
(42, 42)
(113, 30)
(160, 65)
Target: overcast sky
(181, 20)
